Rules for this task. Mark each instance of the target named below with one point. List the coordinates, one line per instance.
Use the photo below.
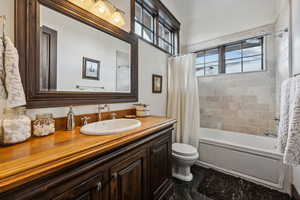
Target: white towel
(13, 84)
(284, 114)
(292, 150)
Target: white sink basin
(110, 126)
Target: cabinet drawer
(90, 189)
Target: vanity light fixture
(108, 11)
(104, 9)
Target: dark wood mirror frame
(27, 40)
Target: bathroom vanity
(132, 165)
(71, 56)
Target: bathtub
(250, 157)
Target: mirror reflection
(76, 57)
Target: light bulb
(102, 7)
(85, 4)
(118, 18)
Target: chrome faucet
(100, 109)
(84, 120)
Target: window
(152, 25)
(144, 23)
(237, 57)
(166, 38)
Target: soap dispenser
(71, 120)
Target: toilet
(183, 157)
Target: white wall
(296, 65)
(7, 8)
(151, 61)
(296, 38)
(282, 46)
(214, 18)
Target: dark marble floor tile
(189, 190)
(209, 184)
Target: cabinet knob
(99, 186)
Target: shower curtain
(183, 99)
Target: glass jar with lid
(15, 126)
(43, 125)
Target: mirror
(76, 57)
(69, 56)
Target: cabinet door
(129, 178)
(160, 166)
(90, 189)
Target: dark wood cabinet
(90, 189)
(140, 170)
(161, 171)
(129, 178)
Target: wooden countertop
(38, 157)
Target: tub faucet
(100, 109)
(270, 134)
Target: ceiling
(207, 19)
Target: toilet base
(182, 173)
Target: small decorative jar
(15, 127)
(142, 107)
(43, 125)
(142, 110)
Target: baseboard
(295, 193)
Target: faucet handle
(84, 120)
(114, 115)
(102, 107)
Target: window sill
(228, 74)
(161, 49)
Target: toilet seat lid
(184, 149)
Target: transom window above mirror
(144, 22)
(156, 25)
(237, 57)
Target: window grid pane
(242, 56)
(138, 12)
(147, 19)
(138, 29)
(252, 55)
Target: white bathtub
(251, 157)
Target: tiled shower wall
(244, 102)
(239, 102)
